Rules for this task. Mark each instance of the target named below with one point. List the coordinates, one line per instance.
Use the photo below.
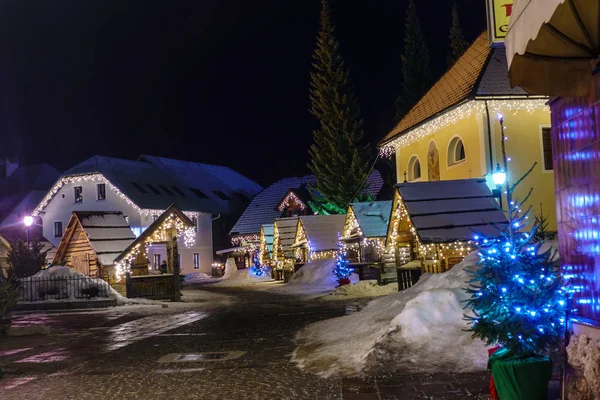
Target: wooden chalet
(92, 241)
(434, 222)
(133, 261)
(363, 240)
(265, 247)
(284, 233)
(316, 237)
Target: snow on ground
(34, 287)
(314, 278)
(361, 289)
(421, 328)
(243, 277)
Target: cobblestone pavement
(114, 354)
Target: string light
(236, 240)
(459, 113)
(288, 199)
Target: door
(80, 263)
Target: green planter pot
(521, 377)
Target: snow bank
(69, 290)
(244, 277)
(420, 328)
(361, 289)
(230, 268)
(315, 277)
(196, 277)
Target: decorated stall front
(92, 241)
(265, 247)
(363, 238)
(316, 237)
(284, 233)
(133, 261)
(433, 222)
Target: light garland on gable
(184, 231)
(459, 113)
(291, 196)
(237, 240)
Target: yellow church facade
(454, 131)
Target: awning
(552, 46)
(232, 250)
(298, 244)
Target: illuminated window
(157, 261)
(414, 169)
(78, 193)
(101, 190)
(547, 149)
(456, 151)
(58, 232)
(196, 261)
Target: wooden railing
(156, 287)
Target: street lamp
(27, 221)
(499, 177)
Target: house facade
(141, 190)
(453, 132)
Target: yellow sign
(499, 12)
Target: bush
(8, 298)
(25, 261)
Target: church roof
(481, 72)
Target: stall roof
(322, 230)
(447, 211)
(373, 217)
(268, 232)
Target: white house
(141, 190)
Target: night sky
(222, 82)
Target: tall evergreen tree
(339, 160)
(458, 44)
(416, 74)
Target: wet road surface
(234, 351)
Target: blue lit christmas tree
(257, 269)
(516, 292)
(342, 269)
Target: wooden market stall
(133, 262)
(265, 247)
(434, 222)
(316, 237)
(284, 233)
(363, 239)
(92, 241)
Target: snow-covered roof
(156, 183)
(108, 233)
(286, 228)
(322, 230)
(447, 211)
(373, 217)
(263, 208)
(25, 188)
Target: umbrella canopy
(552, 46)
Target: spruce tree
(416, 75)
(458, 44)
(339, 160)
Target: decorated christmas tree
(516, 293)
(257, 269)
(342, 269)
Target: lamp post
(27, 221)
(499, 177)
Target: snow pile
(196, 277)
(245, 277)
(421, 328)
(230, 268)
(584, 355)
(361, 289)
(60, 284)
(315, 277)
